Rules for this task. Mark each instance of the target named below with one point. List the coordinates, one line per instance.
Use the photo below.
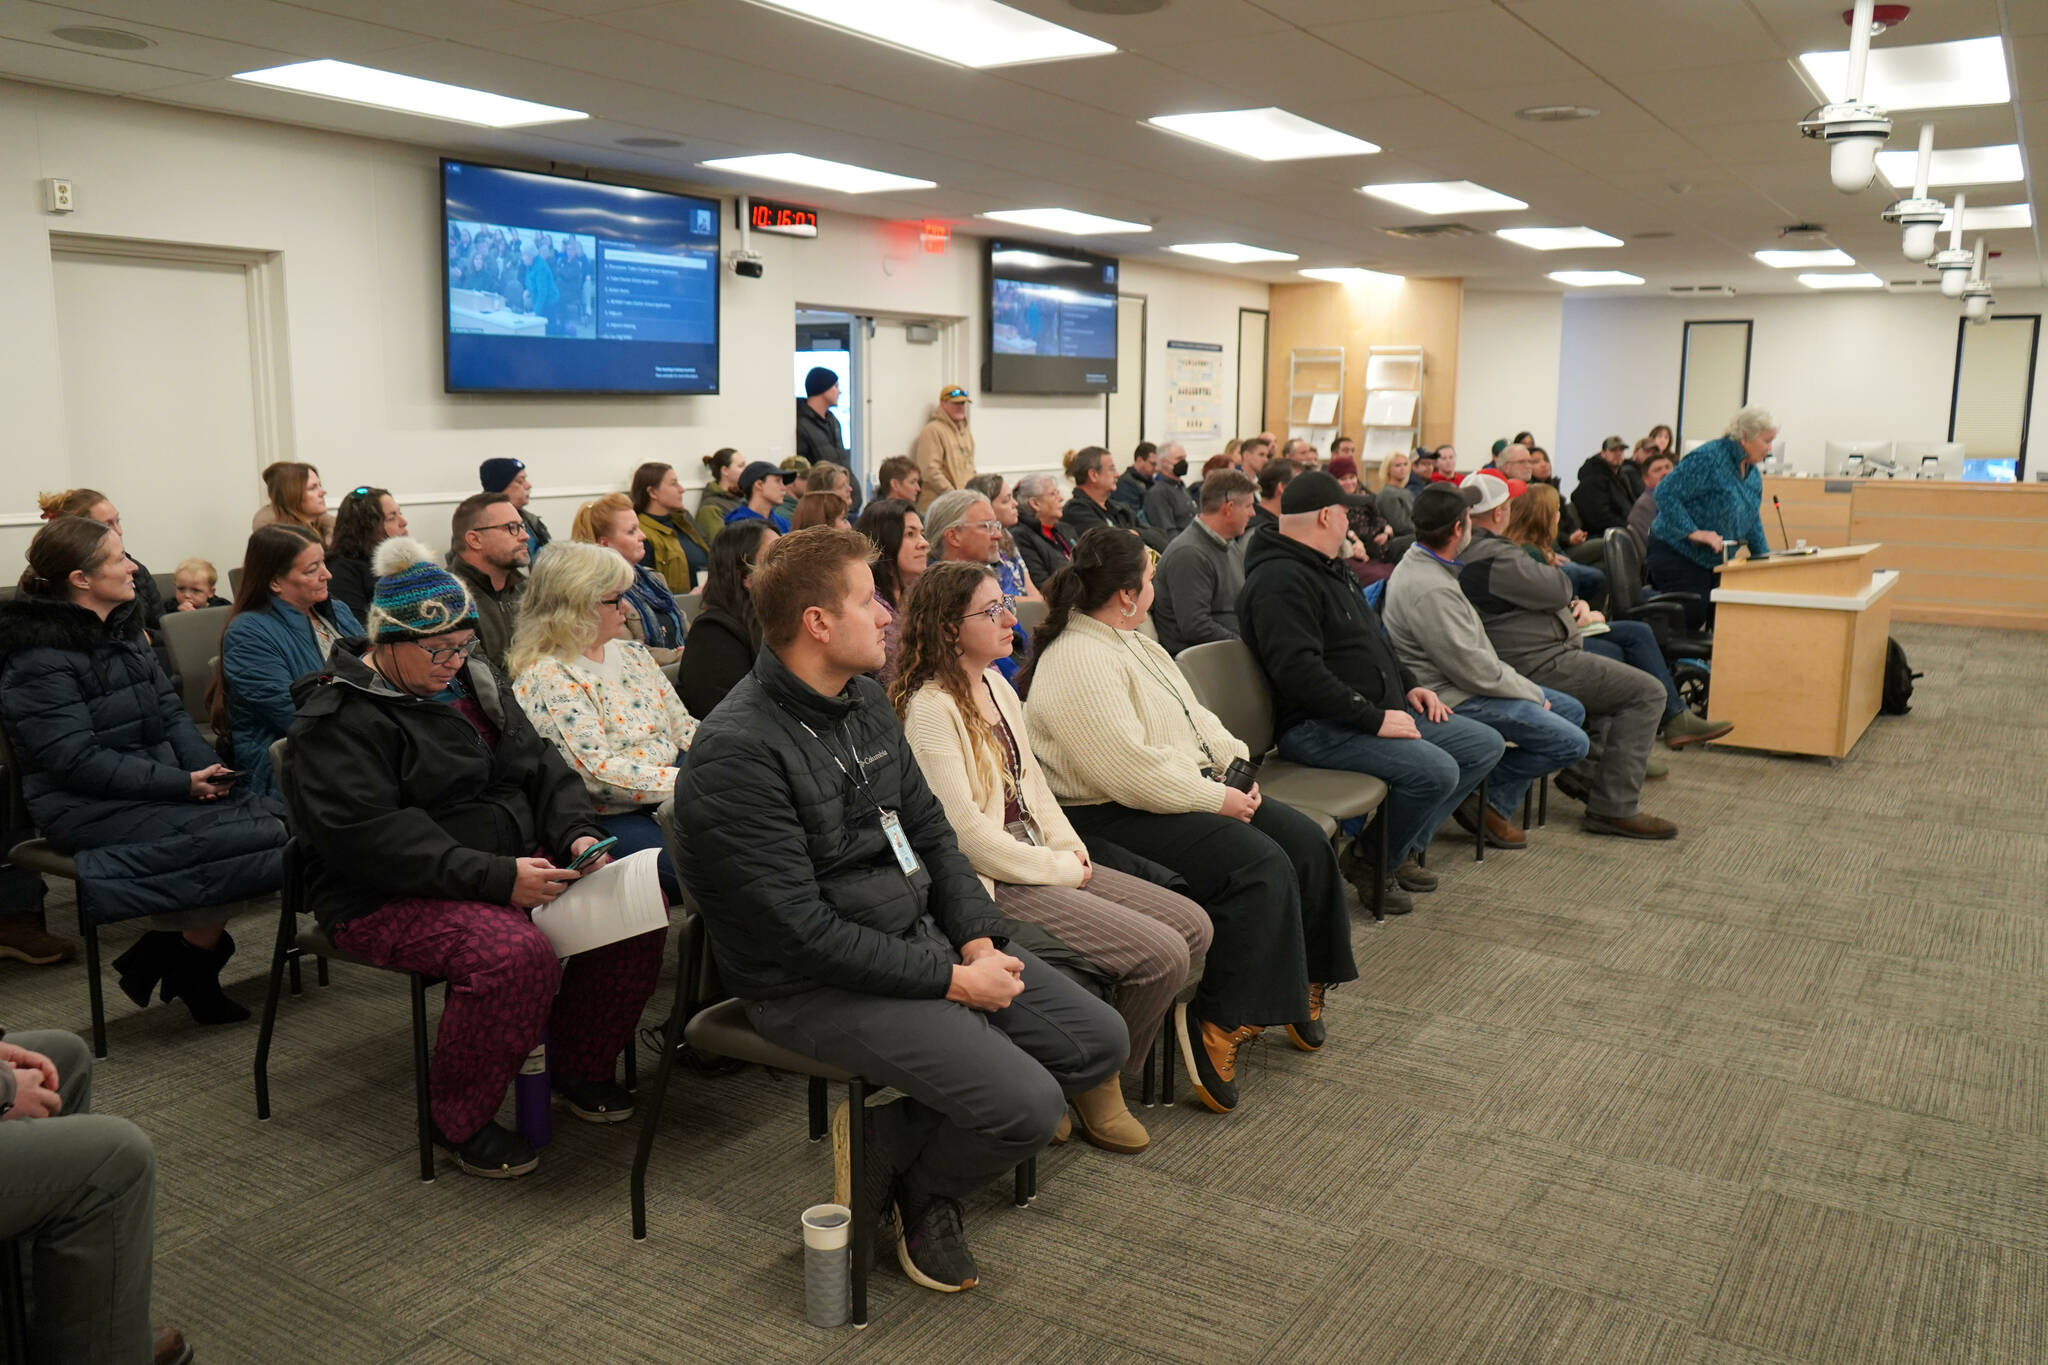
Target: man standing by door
(945, 448)
(818, 436)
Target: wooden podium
(1799, 647)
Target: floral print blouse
(617, 722)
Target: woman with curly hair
(966, 727)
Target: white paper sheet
(620, 900)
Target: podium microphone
(1786, 536)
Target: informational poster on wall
(1194, 396)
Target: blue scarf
(661, 621)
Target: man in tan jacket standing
(945, 448)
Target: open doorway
(832, 340)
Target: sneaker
(1637, 826)
(596, 1101)
(1686, 728)
(1656, 766)
(881, 1177)
(934, 1251)
(1210, 1055)
(492, 1151)
(1413, 876)
(25, 940)
(1309, 1035)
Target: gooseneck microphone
(1785, 537)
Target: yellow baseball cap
(953, 393)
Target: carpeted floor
(1775, 1093)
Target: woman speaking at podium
(1714, 498)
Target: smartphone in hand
(227, 779)
(592, 854)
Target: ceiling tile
(284, 27)
(1613, 36)
(1313, 12)
(1182, 21)
(1456, 50)
(48, 64)
(1124, 84)
(1497, 105)
(179, 50)
(1803, 26)
(1291, 69)
(1748, 91)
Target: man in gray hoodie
(1440, 639)
(1534, 622)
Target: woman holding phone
(116, 775)
(435, 821)
(598, 697)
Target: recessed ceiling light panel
(1810, 260)
(1931, 76)
(793, 168)
(1992, 218)
(352, 84)
(1594, 279)
(1231, 253)
(1264, 134)
(1557, 239)
(1069, 221)
(976, 33)
(1351, 274)
(1955, 166)
(1444, 196)
(1860, 281)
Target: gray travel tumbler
(828, 1292)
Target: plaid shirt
(1711, 491)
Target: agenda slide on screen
(571, 286)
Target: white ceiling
(1695, 159)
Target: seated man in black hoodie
(1602, 496)
(843, 913)
(1340, 696)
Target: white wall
(1507, 372)
(356, 224)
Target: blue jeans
(636, 830)
(1543, 741)
(1588, 583)
(1635, 644)
(1426, 778)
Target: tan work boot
(25, 940)
(1106, 1120)
(1065, 1131)
(1637, 826)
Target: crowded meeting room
(1228, 682)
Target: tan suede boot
(1106, 1121)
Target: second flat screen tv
(1051, 320)
(567, 286)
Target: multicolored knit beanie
(415, 596)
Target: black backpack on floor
(1898, 681)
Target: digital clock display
(789, 220)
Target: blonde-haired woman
(1394, 501)
(295, 499)
(652, 616)
(599, 698)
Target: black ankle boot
(144, 964)
(194, 977)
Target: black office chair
(1688, 654)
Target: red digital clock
(788, 220)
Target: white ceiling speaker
(1919, 215)
(1977, 296)
(1955, 263)
(1852, 129)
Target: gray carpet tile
(1771, 1094)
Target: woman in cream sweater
(1136, 760)
(966, 727)
(598, 698)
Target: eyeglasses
(996, 611)
(440, 656)
(616, 602)
(517, 529)
(990, 526)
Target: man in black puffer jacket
(1602, 495)
(843, 913)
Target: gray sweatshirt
(1195, 589)
(1440, 638)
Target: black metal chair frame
(13, 1304)
(36, 855)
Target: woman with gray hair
(1040, 539)
(1017, 583)
(596, 696)
(1712, 500)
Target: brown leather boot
(23, 938)
(171, 1348)
(1502, 833)
(1637, 826)
(1065, 1132)
(1106, 1120)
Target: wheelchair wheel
(1691, 676)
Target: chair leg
(632, 1067)
(863, 1215)
(1167, 1069)
(650, 1111)
(1148, 1093)
(1023, 1195)
(320, 970)
(817, 1108)
(90, 932)
(292, 965)
(1031, 1176)
(1528, 804)
(1479, 839)
(1382, 871)
(287, 930)
(1542, 800)
(421, 1083)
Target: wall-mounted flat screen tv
(1051, 320)
(557, 285)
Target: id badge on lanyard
(899, 843)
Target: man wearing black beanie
(817, 431)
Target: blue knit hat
(415, 597)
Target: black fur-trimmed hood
(53, 623)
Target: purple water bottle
(531, 1096)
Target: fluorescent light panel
(1351, 274)
(1556, 239)
(1231, 253)
(352, 84)
(1860, 281)
(1992, 218)
(977, 33)
(1955, 166)
(1069, 221)
(1589, 279)
(1930, 76)
(1264, 134)
(1793, 260)
(1444, 196)
(793, 168)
